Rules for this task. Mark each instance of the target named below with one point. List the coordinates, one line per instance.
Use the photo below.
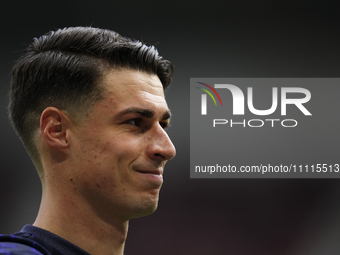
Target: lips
(151, 176)
(150, 171)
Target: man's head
(119, 151)
(64, 69)
(89, 107)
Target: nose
(160, 146)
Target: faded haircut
(63, 69)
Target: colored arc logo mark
(208, 86)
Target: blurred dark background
(242, 38)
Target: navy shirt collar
(55, 244)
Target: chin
(145, 213)
(147, 207)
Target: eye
(134, 122)
(164, 125)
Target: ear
(54, 126)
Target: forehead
(131, 85)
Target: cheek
(123, 146)
(100, 154)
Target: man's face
(121, 147)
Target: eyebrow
(147, 113)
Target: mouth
(151, 175)
(152, 171)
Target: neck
(65, 215)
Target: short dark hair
(63, 68)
